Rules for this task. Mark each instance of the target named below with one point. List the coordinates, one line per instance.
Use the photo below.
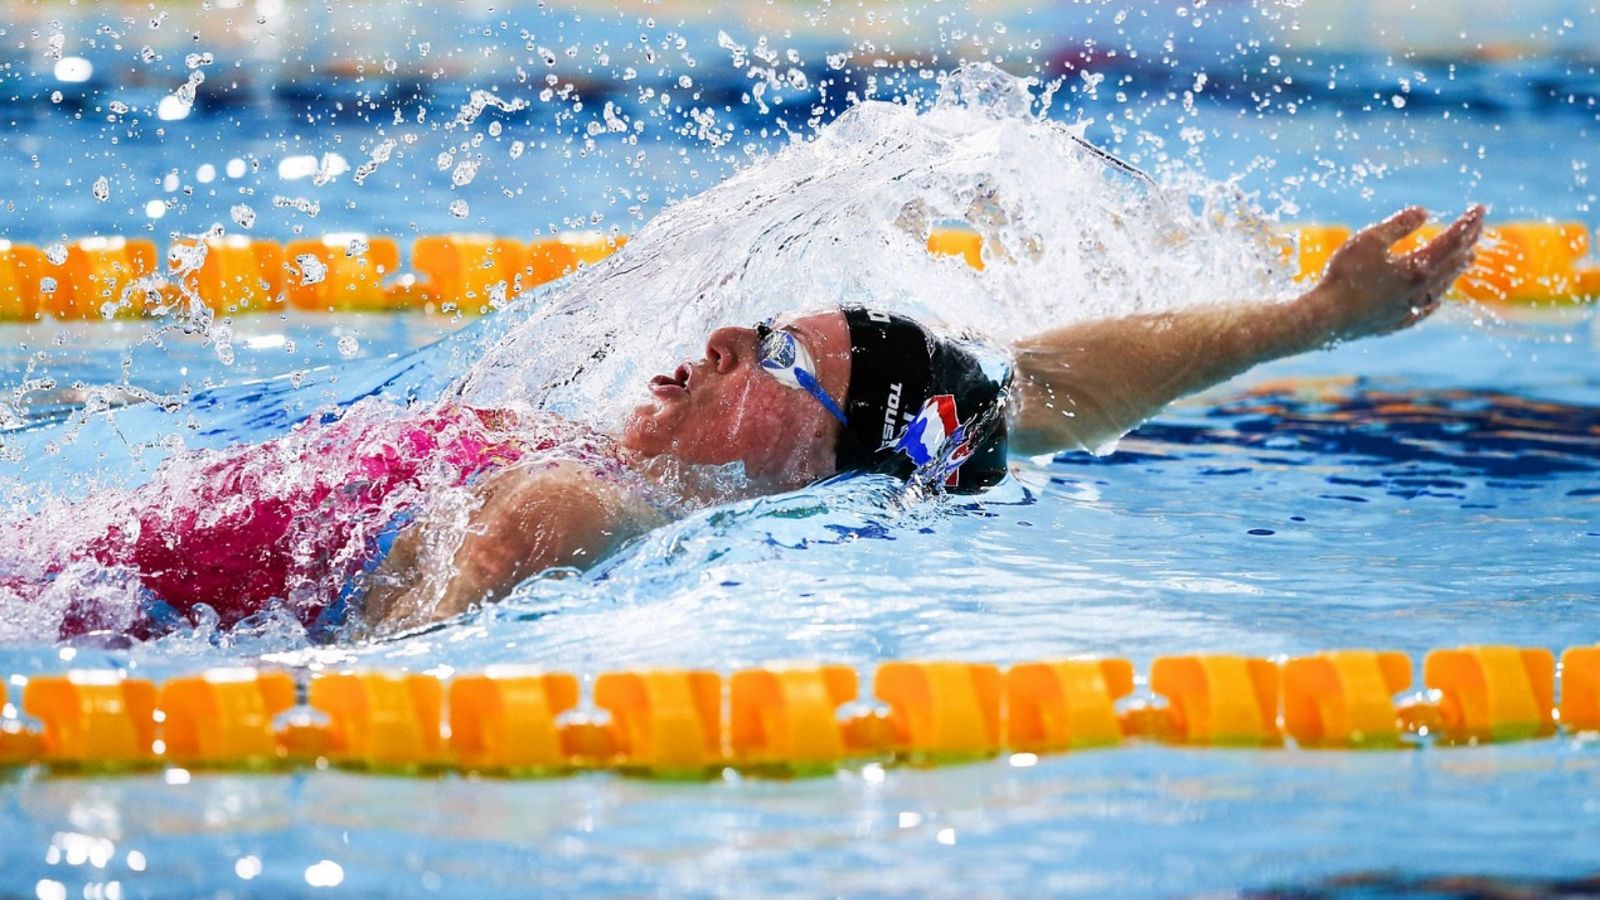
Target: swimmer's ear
(1394, 229)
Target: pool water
(1428, 489)
(1448, 495)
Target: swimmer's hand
(1369, 291)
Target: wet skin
(725, 408)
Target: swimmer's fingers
(1449, 270)
(1392, 230)
(1434, 278)
(1366, 254)
(1445, 253)
(1438, 283)
(1442, 274)
(1430, 285)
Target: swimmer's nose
(726, 346)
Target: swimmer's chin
(643, 431)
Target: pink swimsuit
(295, 518)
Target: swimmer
(794, 400)
(813, 395)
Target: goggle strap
(814, 389)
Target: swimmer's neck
(700, 485)
(694, 484)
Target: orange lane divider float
(958, 242)
(1532, 263)
(471, 272)
(234, 275)
(1528, 263)
(476, 273)
(341, 272)
(667, 721)
(1310, 247)
(505, 720)
(381, 720)
(1344, 698)
(19, 744)
(1580, 689)
(100, 279)
(560, 256)
(788, 720)
(92, 717)
(1066, 705)
(224, 717)
(1493, 693)
(1219, 699)
(941, 711)
(22, 269)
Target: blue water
(1278, 514)
(1346, 155)
(1140, 821)
(1427, 489)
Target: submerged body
(418, 516)
(301, 521)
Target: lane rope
(1524, 263)
(790, 720)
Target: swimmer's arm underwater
(528, 520)
(1085, 385)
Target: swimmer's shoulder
(563, 509)
(579, 462)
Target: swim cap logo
(891, 406)
(936, 426)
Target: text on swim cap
(892, 406)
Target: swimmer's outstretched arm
(1085, 385)
(528, 520)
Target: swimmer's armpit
(529, 519)
(1083, 386)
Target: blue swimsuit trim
(335, 617)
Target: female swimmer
(334, 516)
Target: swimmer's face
(725, 408)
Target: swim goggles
(782, 354)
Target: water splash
(311, 269)
(209, 542)
(844, 218)
(484, 100)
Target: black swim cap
(920, 405)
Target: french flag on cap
(924, 438)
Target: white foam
(843, 218)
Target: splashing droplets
(312, 269)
